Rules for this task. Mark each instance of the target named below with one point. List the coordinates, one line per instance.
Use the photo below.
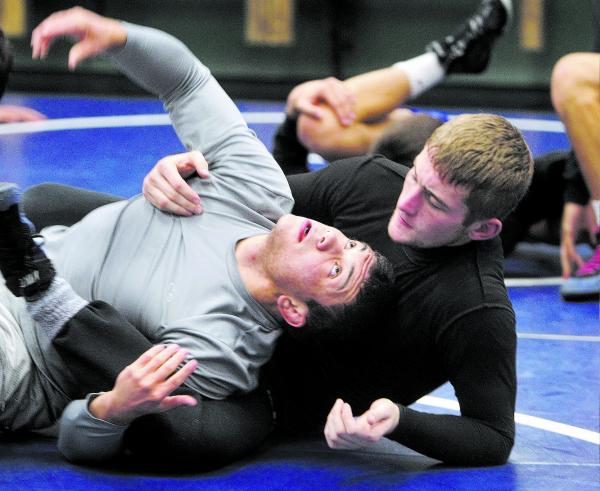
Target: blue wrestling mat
(109, 144)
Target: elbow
(82, 439)
(503, 451)
(82, 451)
(70, 450)
(497, 456)
(490, 454)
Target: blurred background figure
(575, 91)
(8, 113)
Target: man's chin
(397, 234)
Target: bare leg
(575, 90)
(575, 93)
(377, 94)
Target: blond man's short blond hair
(486, 155)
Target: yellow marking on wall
(531, 32)
(270, 22)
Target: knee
(39, 191)
(574, 82)
(209, 436)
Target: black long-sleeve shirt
(452, 321)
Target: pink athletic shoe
(585, 284)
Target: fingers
(147, 356)
(308, 99)
(309, 108)
(377, 414)
(93, 32)
(345, 431)
(81, 51)
(341, 99)
(383, 417)
(571, 223)
(159, 366)
(15, 114)
(165, 188)
(164, 362)
(568, 257)
(180, 376)
(64, 23)
(334, 425)
(199, 163)
(342, 431)
(171, 402)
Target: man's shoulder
(453, 283)
(370, 166)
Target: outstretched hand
(346, 432)
(574, 219)
(93, 33)
(144, 386)
(19, 114)
(165, 188)
(308, 98)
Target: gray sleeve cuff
(85, 438)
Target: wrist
(118, 34)
(102, 407)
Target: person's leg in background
(380, 92)
(56, 204)
(575, 91)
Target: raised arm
(203, 116)
(153, 59)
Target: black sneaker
(26, 269)
(468, 49)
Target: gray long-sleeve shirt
(176, 278)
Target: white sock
(423, 72)
(596, 208)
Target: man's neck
(250, 257)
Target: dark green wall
(369, 34)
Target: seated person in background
(12, 114)
(575, 91)
(219, 285)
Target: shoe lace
(592, 266)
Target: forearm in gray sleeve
(157, 61)
(84, 438)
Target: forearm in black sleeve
(481, 361)
(452, 439)
(289, 153)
